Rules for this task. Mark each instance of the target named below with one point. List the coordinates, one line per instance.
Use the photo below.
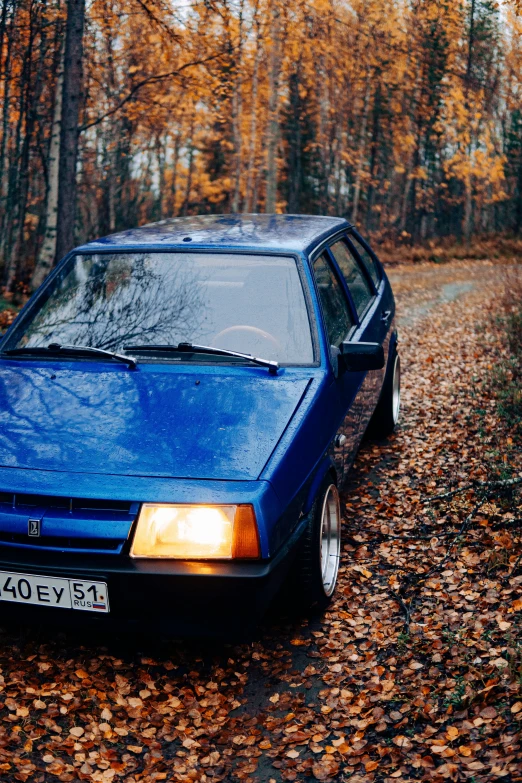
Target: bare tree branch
(149, 80)
(474, 485)
(159, 22)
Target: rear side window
(369, 262)
(355, 280)
(336, 310)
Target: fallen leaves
(76, 731)
(326, 768)
(452, 733)
(403, 742)
(354, 694)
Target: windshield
(249, 303)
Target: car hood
(158, 421)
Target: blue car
(180, 405)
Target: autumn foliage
(404, 116)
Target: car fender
(326, 465)
(390, 345)
(394, 340)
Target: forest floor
(415, 673)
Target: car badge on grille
(33, 527)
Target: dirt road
(415, 673)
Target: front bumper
(189, 597)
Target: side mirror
(360, 357)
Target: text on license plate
(52, 591)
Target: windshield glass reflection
(249, 303)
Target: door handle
(385, 316)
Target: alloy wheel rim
(396, 396)
(330, 540)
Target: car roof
(299, 233)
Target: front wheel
(386, 415)
(317, 561)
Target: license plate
(78, 594)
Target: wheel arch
(394, 341)
(392, 348)
(326, 467)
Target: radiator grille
(71, 504)
(65, 523)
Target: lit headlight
(196, 532)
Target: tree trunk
(72, 84)
(248, 201)
(322, 133)
(518, 197)
(174, 175)
(19, 179)
(3, 26)
(467, 226)
(48, 249)
(294, 157)
(33, 93)
(406, 197)
(161, 156)
(186, 201)
(3, 143)
(362, 144)
(237, 111)
(374, 150)
(273, 105)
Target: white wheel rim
(396, 394)
(330, 539)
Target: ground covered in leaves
(416, 671)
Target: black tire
(386, 414)
(307, 580)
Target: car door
(339, 322)
(383, 317)
(370, 327)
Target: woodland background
(403, 115)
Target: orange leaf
(452, 732)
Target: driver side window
(336, 310)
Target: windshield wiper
(72, 350)
(193, 348)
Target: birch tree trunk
(273, 114)
(72, 83)
(30, 84)
(48, 249)
(247, 205)
(467, 223)
(186, 201)
(237, 109)
(174, 176)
